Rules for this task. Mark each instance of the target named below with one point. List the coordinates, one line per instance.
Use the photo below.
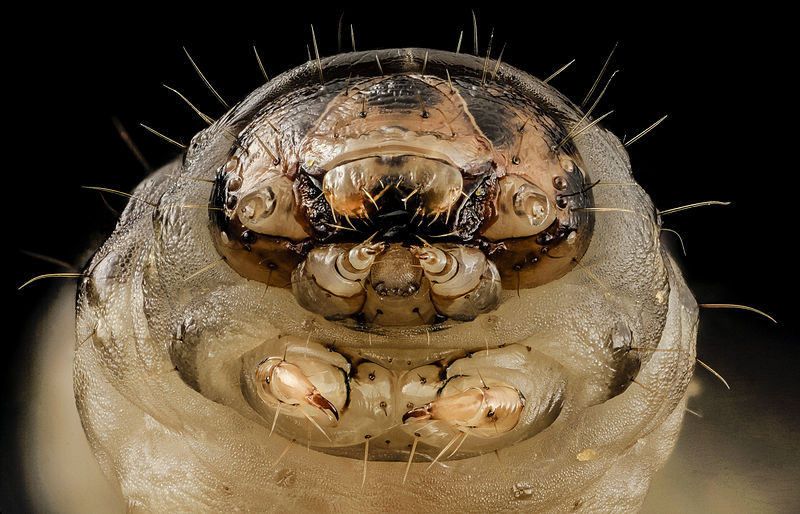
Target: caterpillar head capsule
(400, 158)
(403, 265)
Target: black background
(722, 77)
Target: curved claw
(287, 383)
(315, 399)
(498, 408)
(418, 414)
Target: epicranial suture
(491, 311)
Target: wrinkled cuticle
(432, 293)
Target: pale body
(173, 443)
